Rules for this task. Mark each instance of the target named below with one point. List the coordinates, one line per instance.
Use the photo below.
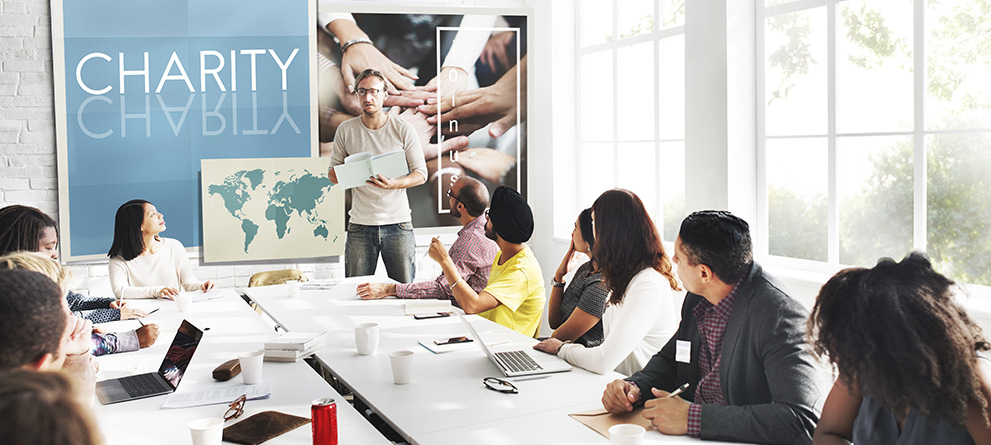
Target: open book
(358, 167)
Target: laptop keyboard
(517, 361)
(138, 385)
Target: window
(874, 133)
(631, 105)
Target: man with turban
(514, 296)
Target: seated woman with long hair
(641, 316)
(144, 264)
(907, 356)
(28, 229)
(575, 313)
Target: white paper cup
(293, 286)
(207, 431)
(366, 338)
(184, 301)
(251, 366)
(626, 434)
(402, 366)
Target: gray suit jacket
(769, 377)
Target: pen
(140, 322)
(680, 390)
(154, 310)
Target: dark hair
(720, 240)
(32, 319)
(585, 226)
(474, 195)
(896, 333)
(42, 408)
(128, 243)
(371, 72)
(627, 242)
(22, 227)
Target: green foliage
(794, 58)
(959, 37)
(797, 225)
(867, 28)
(674, 12)
(674, 213)
(878, 222)
(644, 26)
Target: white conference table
(233, 328)
(446, 403)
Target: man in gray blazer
(740, 347)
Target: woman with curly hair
(907, 355)
(640, 315)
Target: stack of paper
(293, 346)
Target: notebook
(515, 362)
(165, 381)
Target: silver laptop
(165, 381)
(516, 362)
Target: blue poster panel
(147, 89)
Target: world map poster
(269, 209)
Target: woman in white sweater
(640, 317)
(143, 264)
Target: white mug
(207, 431)
(402, 367)
(626, 434)
(184, 301)
(293, 288)
(366, 338)
(251, 366)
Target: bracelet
(456, 283)
(348, 44)
(557, 283)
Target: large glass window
(631, 91)
(874, 132)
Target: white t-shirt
(634, 330)
(370, 205)
(146, 275)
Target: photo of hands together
(468, 108)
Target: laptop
(516, 362)
(165, 381)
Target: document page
(218, 395)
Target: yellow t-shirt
(519, 285)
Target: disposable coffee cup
(402, 367)
(207, 431)
(184, 301)
(293, 286)
(366, 338)
(626, 434)
(251, 366)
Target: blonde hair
(44, 408)
(40, 263)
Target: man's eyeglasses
(236, 408)
(364, 91)
(500, 385)
(452, 195)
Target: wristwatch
(557, 283)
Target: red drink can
(323, 416)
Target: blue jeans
(394, 241)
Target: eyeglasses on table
(500, 385)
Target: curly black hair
(897, 333)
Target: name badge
(683, 351)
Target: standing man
(740, 347)
(380, 213)
(472, 252)
(514, 296)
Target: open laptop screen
(180, 353)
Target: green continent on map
(234, 190)
(301, 194)
(250, 229)
(280, 216)
(321, 230)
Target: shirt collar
(721, 310)
(473, 224)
